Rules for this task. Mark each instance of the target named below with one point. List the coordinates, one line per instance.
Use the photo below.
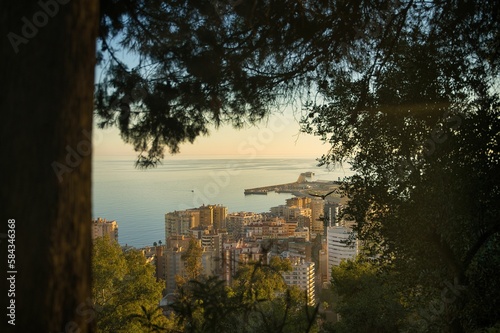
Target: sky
(279, 136)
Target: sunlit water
(139, 199)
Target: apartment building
(236, 222)
(102, 227)
(302, 275)
(236, 253)
(269, 228)
(317, 211)
(180, 222)
(206, 216)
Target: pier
(302, 187)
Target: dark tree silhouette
(418, 119)
(201, 63)
(46, 102)
(323, 196)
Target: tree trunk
(48, 59)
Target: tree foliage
(256, 281)
(369, 299)
(150, 320)
(418, 119)
(259, 301)
(196, 63)
(192, 260)
(125, 292)
(406, 91)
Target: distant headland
(303, 187)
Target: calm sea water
(139, 199)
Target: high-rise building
(300, 202)
(339, 246)
(290, 213)
(304, 222)
(302, 275)
(180, 222)
(317, 206)
(177, 240)
(206, 215)
(236, 222)
(212, 215)
(172, 261)
(219, 216)
(160, 262)
(330, 213)
(278, 210)
(174, 266)
(102, 227)
(211, 243)
(323, 267)
(236, 253)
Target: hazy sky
(279, 136)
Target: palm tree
(148, 319)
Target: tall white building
(102, 227)
(337, 247)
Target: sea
(139, 199)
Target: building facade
(180, 222)
(340, 246)
(317, 211)
(236, 222)
(302, 275)
(102, 227)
